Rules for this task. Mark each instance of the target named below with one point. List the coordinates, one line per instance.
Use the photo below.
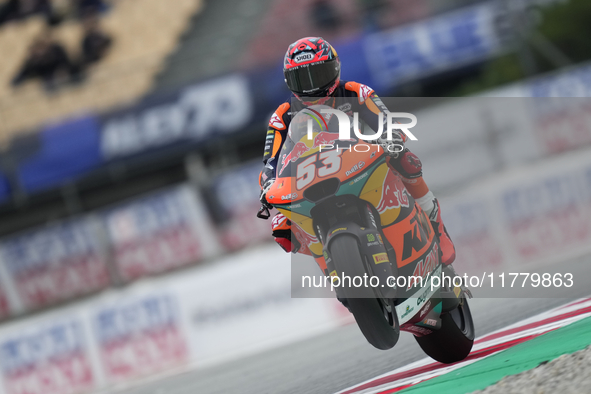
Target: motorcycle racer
(312, 72)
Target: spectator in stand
(95, 43)
(84, 8)
(21, 9)
(47, 60)
(324, 15)
(372, 11)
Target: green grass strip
(519, 358)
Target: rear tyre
(375, 317)
(453, 341)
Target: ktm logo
(415, 239)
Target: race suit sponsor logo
(276, 122)
(364, 92)
(345, 107)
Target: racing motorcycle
(346, 205)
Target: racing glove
(392, 147)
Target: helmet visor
(309, 79)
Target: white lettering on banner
(55, 263)
(48, 360)
(140, 337)
(153, 234)
(223, 105)
(444, 42)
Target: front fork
(357, 218)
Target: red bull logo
(393, 194)
(298, 150)
(324, 138)
(304, 239)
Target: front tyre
(453, 341)
(377, 319)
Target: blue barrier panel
(4, 188)
(66, 151)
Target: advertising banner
(438, 44)
(549, 216)
(159, 232)
(194, 114)
(49, 357)
(244, 305)
(54, 263)
(139, 336)
(532, 217)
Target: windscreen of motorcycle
(309, 130)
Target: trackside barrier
(63, 260)
(524, 218)
(242, 304)
(53, 263)
(204, 315)
(159, 232)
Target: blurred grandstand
(131, 166)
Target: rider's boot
(431, 207)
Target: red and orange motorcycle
(355, 216)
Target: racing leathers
(351, 97)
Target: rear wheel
(375, 317)
(453, 341)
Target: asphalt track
(342, 358)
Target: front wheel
(376, 318)
(453, 341)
